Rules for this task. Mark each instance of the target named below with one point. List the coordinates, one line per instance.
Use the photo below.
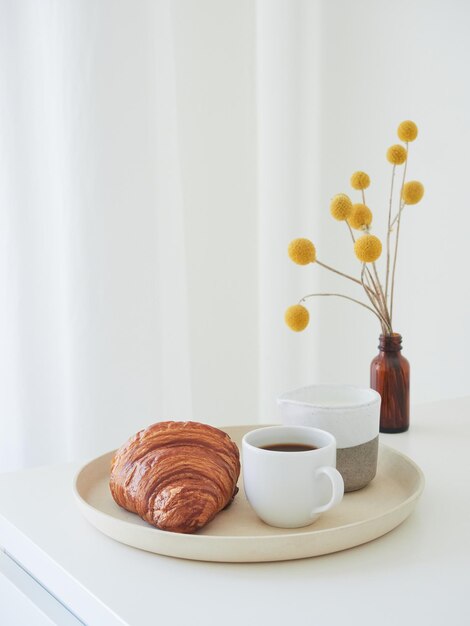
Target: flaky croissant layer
(176, 475)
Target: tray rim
(89, 510)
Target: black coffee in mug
(288, 447)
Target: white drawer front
(23, 602)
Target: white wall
(384, 62)
(374, 64)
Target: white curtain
(122, 300)
(95, 329)
(157, 156)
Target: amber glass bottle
(390, 376)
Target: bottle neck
(390, 343)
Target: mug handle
(337, 485)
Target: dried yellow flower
(361, 217)
(412, 192)
(341, 207)
(407, 131)
(360, 180)
(297, 317)
(368, 248)
(302, 251)
(396, 154)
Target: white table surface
(417, 574)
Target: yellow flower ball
(407, 131)
(341, 207)
(360, 180)
(368, 248)
(297, 317)
(412, 192)
(302, 251)
(361, 217)
(396, 154)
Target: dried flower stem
(351, 232)
(389, 231)
(332, 269)
(397, 216)
(375, 303)
(369, 275)
(340, 295)
(371, 290)
(401, 205)
(381, 295)
(378, 291)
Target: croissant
(176, 475)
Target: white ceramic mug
(291, 489)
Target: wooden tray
(237, 535)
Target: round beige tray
(237, 535)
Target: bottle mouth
(390, 343)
